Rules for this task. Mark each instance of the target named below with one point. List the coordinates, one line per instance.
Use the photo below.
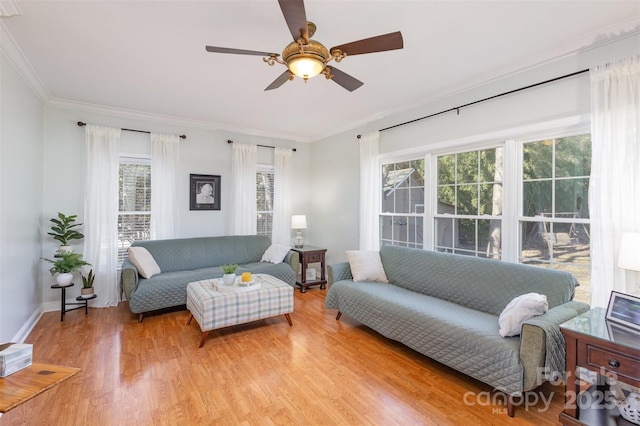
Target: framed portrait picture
(204, 192)
(624, 309)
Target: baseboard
(24, 331)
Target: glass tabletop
(593, 323)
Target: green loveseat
(193, 259)
(446, 306)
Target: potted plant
(64, 265)
(87, 284)
(229, 277)
(63, 231)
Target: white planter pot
(65, 249)
(64, 279)
(229, 279)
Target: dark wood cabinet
(606, 349)
(309, 255)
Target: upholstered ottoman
(215, 306)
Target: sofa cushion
(275, 253)
(483, 284)
(142, 259)
(366, 266)
(519, 310)
(182, 254)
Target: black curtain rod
(264, 146)
(457, 109)
(80, 123)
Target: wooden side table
(310, 254)
(83, 302)
(607, 349)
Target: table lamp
(629, 257)
(298, 222)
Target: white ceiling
(149, 56)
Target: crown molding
(9, 8)
(19, 61)
(167, 119)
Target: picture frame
(204, 192)
(624, 309)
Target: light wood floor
(320, 371)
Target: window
(134, 207)
(518, 200)
(468, 216)
(401, 221)
(554, 226)
(264, 196)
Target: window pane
(488, 165)
(536, 198)
(467, 199)
(446, 199)
(131, 227)
(490, 237)
(135, 187)
(573, 156)
(468, 167)
(537, 160)
(404, 231)
(446, 169)
(264, 202)
(445, 234)
(402, 200)
(466, 235)
(417, 200)
(571, 197)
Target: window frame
(265, 169)
(137, 159)
(511, 139)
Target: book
(15, 357)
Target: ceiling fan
(308, 58)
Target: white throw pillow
(366, 266)
(275, 253)
(147, 266)
(519, 310)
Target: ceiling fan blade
(381, 43)
(214, 49)
(345, 80)
(296, 17)
(283, 78)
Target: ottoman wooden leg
(203, 338)
(190, 318)
(288, 317)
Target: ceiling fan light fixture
(306, 67)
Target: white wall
(203, 152)
(335, 170)
(21, 136)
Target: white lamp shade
(299, 221)
(629, 257)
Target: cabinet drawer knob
(614, 363)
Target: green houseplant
(229, 277)
(64, 265)
(87, 283)
(62, 229)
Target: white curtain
(614, 190)
(369, 192)
(243, 214)
(282, 182)
(165, 157)
(101, 211)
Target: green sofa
(447, 306)
(192, 259)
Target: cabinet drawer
(614, 362)
(314, 257)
